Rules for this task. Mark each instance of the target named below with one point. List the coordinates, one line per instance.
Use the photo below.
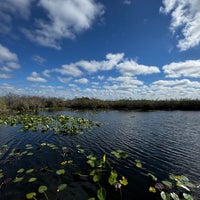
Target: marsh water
(165, 142)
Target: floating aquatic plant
(32, 179)
(59, 124)
(61, 187)
(101, 172)
(119, 154)
(31, 195)
(42, 189)
(175, 188)
(60, 171)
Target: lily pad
(29, 171)
(152, 176)
(174, 196)
(101, 193)
(30, 195)
(60, 171)
(29, 154)
(18, 179)
(167, 183)
(20, 170)
(187, 196)
(152, 189)
(138, 164)
(61, 187)
(42, 189)
(33, 179)
(1, 175)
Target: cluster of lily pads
(176, 187)
(97, 170)
(60, 124)
(100, 172)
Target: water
(164, 142)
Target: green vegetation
(59, 124)
(101, 173)
(12, 102)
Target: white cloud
(82, 81)
(64, 80)
(127, 2)
(93, 66)
(5, 76)
(6, 55)
(132, 68)
(128, 80)
(38, 59)
(66, 19)
(12, 9)
(35, 77)
(70, 70)
(177, 83)
(101, 77)
(188, 68)
(75, 69)
(8, 62)
(185, 17)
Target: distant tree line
(12, 102)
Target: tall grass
(12, 102)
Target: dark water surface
(164, 142)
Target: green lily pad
(113, 177)
(42, 189)
(29, 171)
(29, 154)
(96, 178)
(20, 170)
(167, 183)
(138, 164)
(1, 175)
(174, 196)
(154, 178)
(119, 154)
(33, 179)
(60, 171)
(18, 179)
(30, 195)
(123, 181)
(164, 196)
(187, 196)
(101, 193)
(61, 187)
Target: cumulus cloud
(188, 68)
(35, 77)
(177, 83)
(38, 59)
(70, 70)
(12, 9)
(132, 68)
(64, 80)
(127, 2)
(77, 68)
(125, 80)
(6, 55)
(175, 89)
(82, 81)
(8, 62)
(5, 76)
(66, 19)
(185, 16)
(93, 66)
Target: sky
(105, 49)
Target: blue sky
(107, 49)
